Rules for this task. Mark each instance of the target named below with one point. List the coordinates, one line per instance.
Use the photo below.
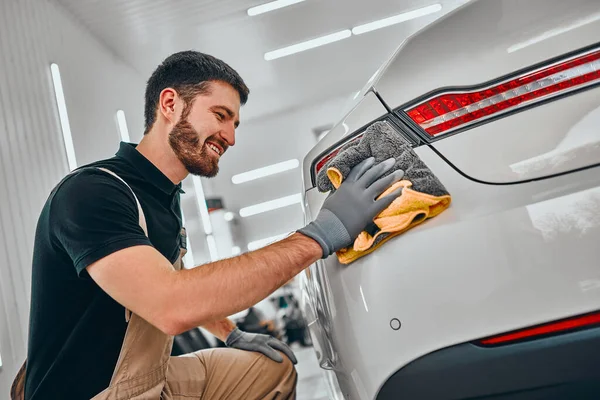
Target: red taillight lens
(447, 112)
(563, 326)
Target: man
(93, 260)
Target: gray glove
(264, 344)
(347, 211)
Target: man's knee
(284, 373)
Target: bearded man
(108, 291)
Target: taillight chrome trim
(513, 91)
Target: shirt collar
(148, 170)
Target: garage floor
(311, 384)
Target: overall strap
(142, 218)
(140, 371)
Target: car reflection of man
(107, 297)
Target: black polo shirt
(76, 330)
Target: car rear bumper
(501, 258)
(566, 366)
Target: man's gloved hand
(264, 344)
(347, 211)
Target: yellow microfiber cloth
(423, 195)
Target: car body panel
(505, 255)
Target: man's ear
(167, 104)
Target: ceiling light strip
(271, 205)
(396, 19)
(271, 6)
(265, 171)
(309, 44)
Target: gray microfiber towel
(423, 195)
(383, 142)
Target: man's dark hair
(189, 73)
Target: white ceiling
(144, 32)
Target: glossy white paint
(502, 257)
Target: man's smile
(214, 147)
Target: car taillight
(450, 111)
(552, 328)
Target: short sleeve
(93, 215)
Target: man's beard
(184, 141)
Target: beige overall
(145, 369)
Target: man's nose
(228, 134)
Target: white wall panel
(33, 34)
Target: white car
(499, 296)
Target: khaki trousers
(229, 374)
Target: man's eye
(220, 116)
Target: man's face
(200, 138)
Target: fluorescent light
(201, 201)
(355, 95)
(229, 216)
(212, 248)
(309, 44)
(273, 5)
(271, 205)
(122, 126)
(265, 171)
(396, 19)
(257, 244)
(235, 250)
(64, 117)
(188, 259)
